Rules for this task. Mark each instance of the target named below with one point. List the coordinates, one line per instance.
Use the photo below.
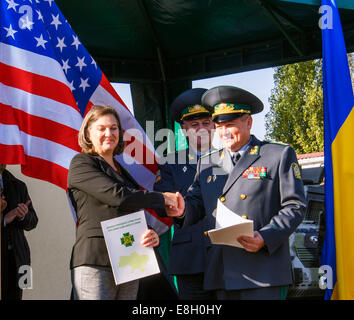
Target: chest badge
(296, 169)
(184, 169)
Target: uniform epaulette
(276, 142)
(211, 152)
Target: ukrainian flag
(338, 101)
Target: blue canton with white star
(40, 27)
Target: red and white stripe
(142, 171)
(39, 122)
(39, 119)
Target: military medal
(252, 174)
(209, 179)
(184, 169)
(255, 173)
(263, 172)
(158, 176)
(245, 174)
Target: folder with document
(229, 226)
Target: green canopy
(160, 46)
(136, 40)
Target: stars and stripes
(48, 81)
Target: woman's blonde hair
(93, 115)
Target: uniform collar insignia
(254, 151)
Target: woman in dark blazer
(100, 189)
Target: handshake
(174, 204)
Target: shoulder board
(276, 142)
(212, 152)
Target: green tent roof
(154, 40)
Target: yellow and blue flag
(338, 101)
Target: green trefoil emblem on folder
(127, 239)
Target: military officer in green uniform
(188, 250)
(257, 180)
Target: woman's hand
(170, 199)
(150, 238)
(174, 204)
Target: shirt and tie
(235, 156)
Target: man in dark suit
(17, 215)
(257, 180)
(187, 255)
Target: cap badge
(191, 110)
(224, 108)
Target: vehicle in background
(307, 240)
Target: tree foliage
(296, 106)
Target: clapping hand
(19, 212)
(3, 203)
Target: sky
(259, 82)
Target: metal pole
(281, 28)
(159, 51)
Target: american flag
(48, 81)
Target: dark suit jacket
(188, 250)
(99, 193)
(15, 192)
(276, 203)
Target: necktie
(235, 158)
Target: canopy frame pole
(283, 15)
(160, 59)
(273, 13)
